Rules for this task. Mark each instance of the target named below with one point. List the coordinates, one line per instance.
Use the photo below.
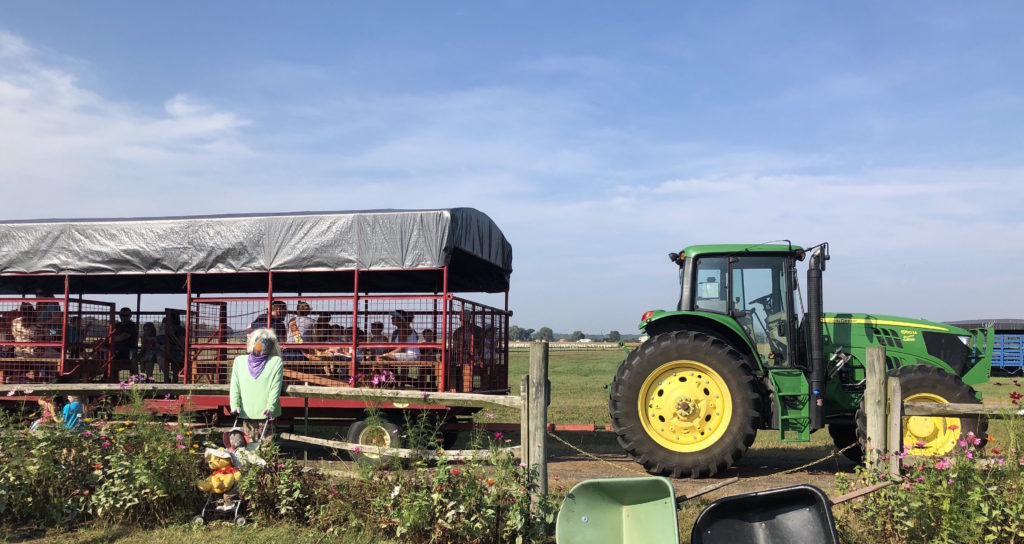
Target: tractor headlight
(965, 339)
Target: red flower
(1015, 396)
(97, 466)
(490, 481)
(456, 472)
(996, 451)
(86, 492)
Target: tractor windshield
(711, 293)
(758, 297)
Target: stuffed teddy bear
(225, 473)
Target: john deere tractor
(736, 356)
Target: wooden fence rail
(532, 402)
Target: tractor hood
(890, 321)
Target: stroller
(243, 455)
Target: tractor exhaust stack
(815, 310)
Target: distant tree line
(520, 334)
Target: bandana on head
(257, 359)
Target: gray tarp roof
(1008, 325)
(141, 255)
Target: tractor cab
(752, 286)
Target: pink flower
(26, 391)
(12, 392)
(490, 415)
(87, 434)
(942, 464)
(962, 443)
(181, 446)
(970, 455)
(107, 444)
(906, 485)
(950, 482)
(179, 437)
(356, 449)
(498, 434)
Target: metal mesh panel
(477, 347)
(397, 340)
(32, 337)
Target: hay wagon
(335, 285)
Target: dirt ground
(759, 469)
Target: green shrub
(969, 496)
(133, 470)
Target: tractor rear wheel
(931, 436)
(844, 435)
(685, 403)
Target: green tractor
(736, 356)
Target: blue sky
(599, 135)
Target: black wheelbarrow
(801, 514)
(643, 510)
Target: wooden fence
(885, 411)
(532, 402)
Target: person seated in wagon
(403, 334)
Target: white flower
(395, 491)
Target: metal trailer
(348, 270)
(1008, 346)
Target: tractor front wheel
(931, 436)
(685, 403)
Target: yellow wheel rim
(685, 406)
(930, 435)
(374, 435)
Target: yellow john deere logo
(869, 321)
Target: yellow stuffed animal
(224, 475)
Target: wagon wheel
(685, 404)
(931, 436)
(374, 432)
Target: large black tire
(379, 432)
(927, 379)
(712, 352)
(843, 435)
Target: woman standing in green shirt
(256, 381)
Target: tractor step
(792, 404)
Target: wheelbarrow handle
(705, 490)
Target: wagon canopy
(405, 250)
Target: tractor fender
(722, 326)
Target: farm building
(1008, 348)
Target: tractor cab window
(711, 293)
(760, 302)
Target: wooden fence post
(874, 401)
(895, 438)
(524, 420)
(538, 416)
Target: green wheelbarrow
(643, 510)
